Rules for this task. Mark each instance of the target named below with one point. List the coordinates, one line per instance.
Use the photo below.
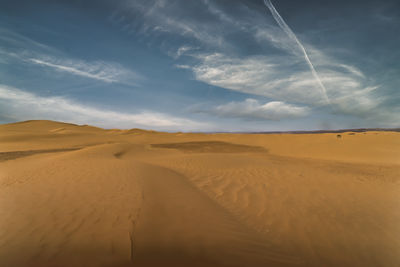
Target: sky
(202, 65)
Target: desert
(77, 195)
(202, 133)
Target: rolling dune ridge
(83, 196)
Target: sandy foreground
(83, 196)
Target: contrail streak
(292, 36)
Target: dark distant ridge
(360, 130)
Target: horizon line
(355, 130)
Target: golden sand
(82, 196)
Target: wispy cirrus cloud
(254, 110)
(282, 76)
(17, 40)
(163, 17)
(97, 70)
(268, 76)
(294, 38)
(30, 51)
(16, 104)
(103, 71)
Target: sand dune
(83, 196)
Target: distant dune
(75, 195)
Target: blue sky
(206, 65)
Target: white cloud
(181, 51)
(253, 109)
(97, 70)
(32, 52)
(161, 16)
(257, 75)
(283, 76)
(22, 105)
(17, 40)
(285, 79)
